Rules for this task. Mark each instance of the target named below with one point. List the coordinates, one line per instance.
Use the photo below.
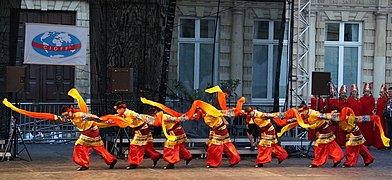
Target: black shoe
(188, 160)
(169, 166)
(82, 168)
(259, 165)
(232, 165)
(252, 148)
(111, 166)
(346, 166)
(336, 164)
(156, 161)
(132, 166)
(209, 166)
(280, 162)
(313, 166)
(367, 164)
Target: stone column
(237, 48)
(379, 53)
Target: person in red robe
(368, 104)
(331, 101)
(353, 101)
(381, 101)
(338, 105)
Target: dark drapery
(126, 34)
(9, 16)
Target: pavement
(54, 161)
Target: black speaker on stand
(15, 84)
(120, 82)
(320, 86)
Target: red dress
(338, 104)
(367, 103)
(377, 142)
(355, 105)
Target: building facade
(350, 38)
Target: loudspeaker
(320, 83)
(15, 78)
(120, 80)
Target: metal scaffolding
(300, 74)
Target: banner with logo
(55, 44)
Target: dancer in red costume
(368, 106)
(355, 140)
(268, 145)
(381, 101)
(174, 147)
(219, 136)
(85, 122)
(325, 145)
(142, 141)
(219, 142)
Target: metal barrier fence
(45, 131)
(41, 130)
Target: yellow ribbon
(213, 90)
(75, 94)
(287, 128)
(221, 96)
(169, 137)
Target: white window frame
(270, 42)
(197, 41)
(342, 44)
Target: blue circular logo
(56, 44)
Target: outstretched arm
(91, 117)
(330, 116)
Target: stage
(54, 161)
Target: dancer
(229, 112)
(174, 147)
(325, 144)
(219, 139)
(89, 138)
(268, 144)
(142, 141)
(355, 140)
